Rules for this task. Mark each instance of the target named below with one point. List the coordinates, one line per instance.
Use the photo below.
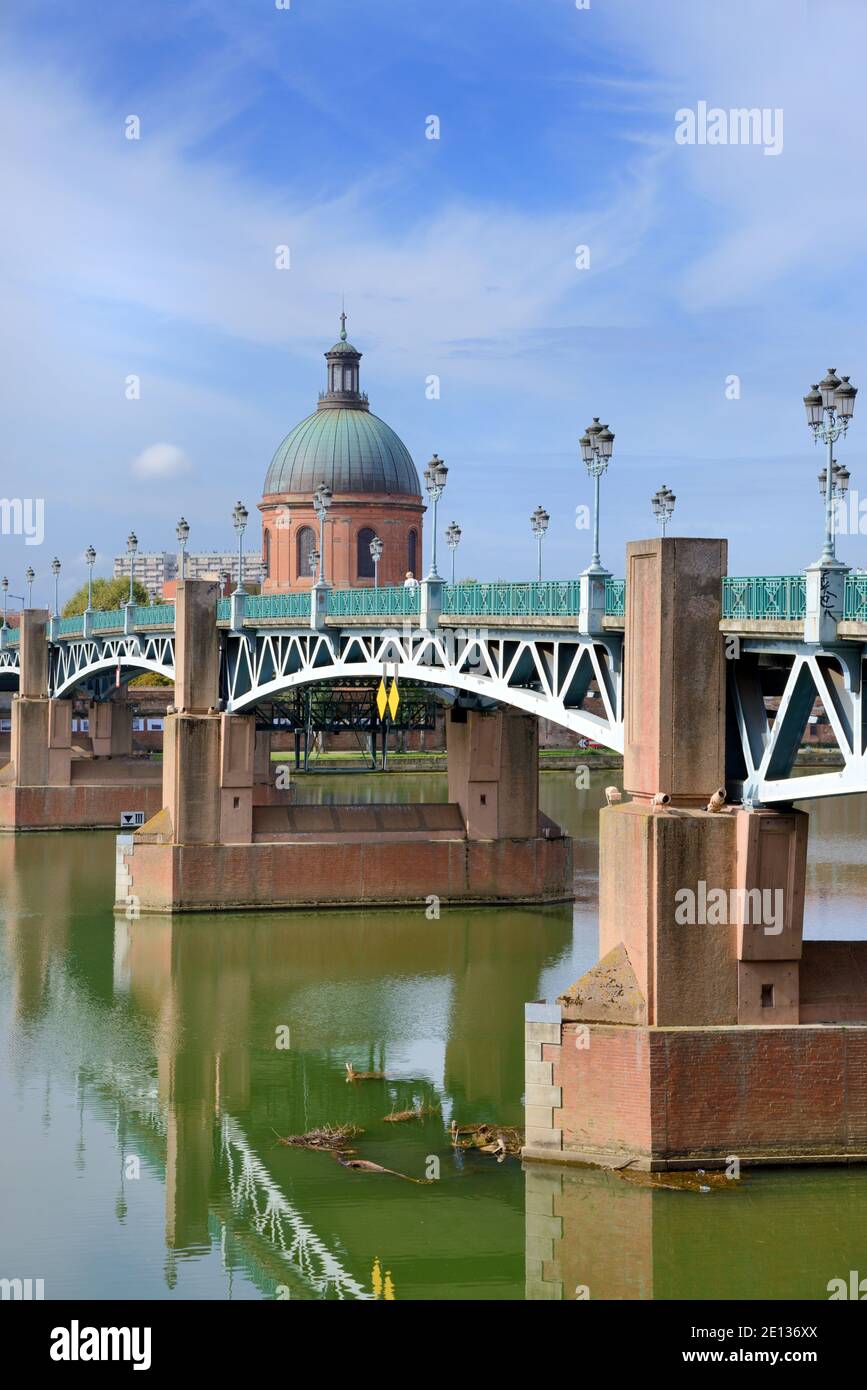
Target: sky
(719, 280)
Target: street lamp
(376, 555)
(839, 487)
(539, 523)
(55, 570)
(453, 540)
(182, 531)
(322, 499)
(830, 406)
(4, 585)
(29, 575)
(435, 476)
(90, 561)
(662, 503)
(239, 521)
(597, 444)
(131, 547)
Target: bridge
(553, 649)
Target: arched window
(364, 565)
(412, 552)
(305, 545)
(266, 553)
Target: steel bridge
(528, 645)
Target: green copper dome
(342, 444)
(350, 450)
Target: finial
(343, 323)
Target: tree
(107, 593)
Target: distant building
(375, 485)
(155, 569)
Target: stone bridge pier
(228, 837)
(706, 1032)
(52, 781)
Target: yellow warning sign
(381, 699)
(393, 699)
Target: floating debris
(353, 1075)
(364, 1165)
(328, 1139)
(699, 1181)
(488, 1139)
(398, 1116)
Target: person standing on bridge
(410, 582)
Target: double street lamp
(376, 556)
(830, 405)
(435, 476)
(90, 561)
(4, 585)
(597, 445)
(55, 570)
(29, 575)
(662, 503)
(239, 521)
(453, 540)
(322, 499)
(539, 520)
(131, 547)
(182, 531)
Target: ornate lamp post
(182, 531)
(90, 561)
(55, 570)
(322, 499)
(539, 524)
(131, 548)
(830, 406)
(435, 477)
(29, 575)
(376, 555)
(662, 503)
(4, 585)
(239, 521)
(597, 445)
(453, 540)
(839, 487)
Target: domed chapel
(375, 486)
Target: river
(147, 1068)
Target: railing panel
(763, 598)
(391, 602)
(157, 615)
(615, 598)
(855, 599)
(290, 606)
(109, 617)
(547, 598)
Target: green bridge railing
(855, 599)
(764, 597)
(390, 602)
(545, 599)
(157, 615)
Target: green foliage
(150, 678)
(107, 593)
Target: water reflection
(155, 1041)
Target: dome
(350, 450)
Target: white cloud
(160, 461)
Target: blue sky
(306, 127)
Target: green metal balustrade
(615, 598)
(390, 602)
(291, 606)
(855, 599)
(545, 599)
(157, 615)
(107, 618)
(763, 598)
(72, 627)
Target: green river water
(142, 1088)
